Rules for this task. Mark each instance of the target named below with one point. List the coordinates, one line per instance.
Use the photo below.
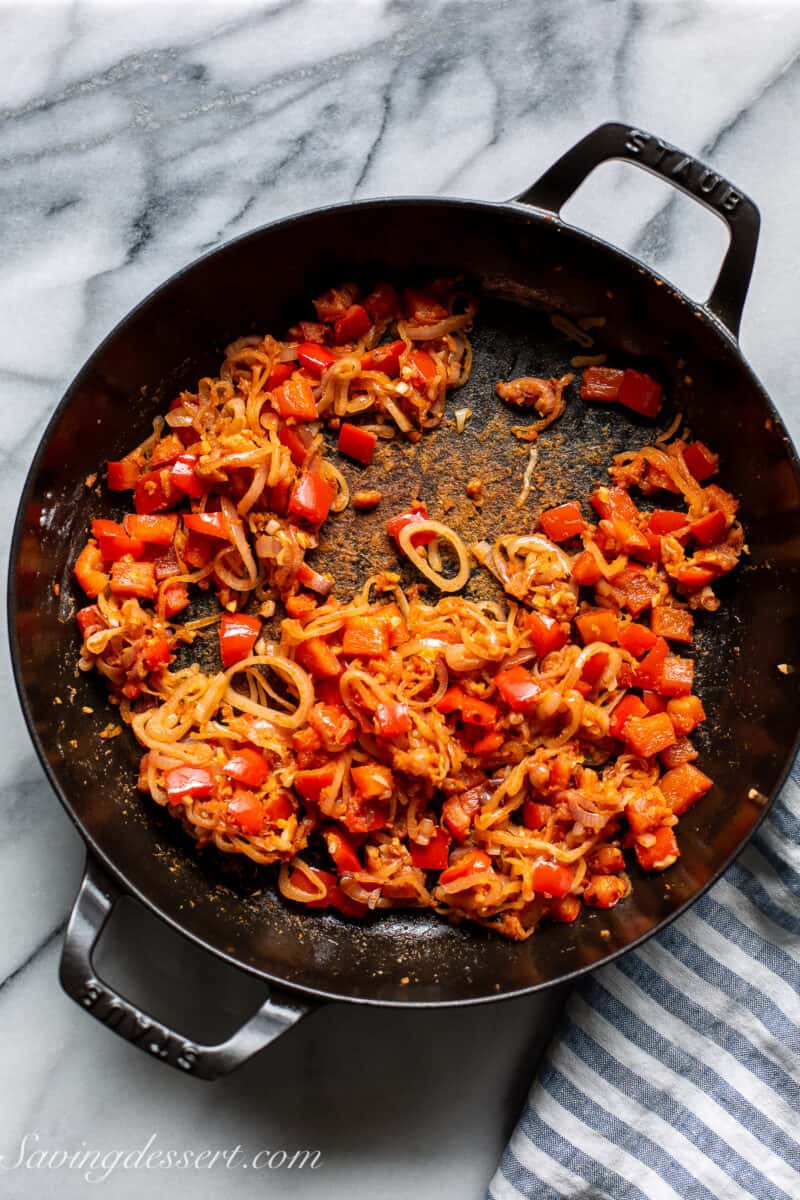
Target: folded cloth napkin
(676, 1072)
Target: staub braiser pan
(526, 264)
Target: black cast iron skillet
(526, 263)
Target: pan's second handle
(93, 906)
(617, 141)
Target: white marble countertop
(136, 136)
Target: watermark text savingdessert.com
(97, 1166)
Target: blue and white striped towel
(676, 1072)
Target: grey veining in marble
(134, 137)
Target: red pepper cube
(311, 498)
(357, 443)
(641, 393)
(562, 523)
(352, 325)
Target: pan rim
(526, 213)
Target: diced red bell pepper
(563, 522)
(673, 623)
(630, 539)
(585, 569)
(89, 620)
(316, 359)
(165, 451)
(365, 815)
(653, 702)
(357, 443)
(279, 496)
(676, 755)
(424, 365)
(709, 529)
(301, 606)
(700, 461)
(648, 671)
(114, 542)
(246, 810)
(281, 371)
(333, 723)
(363, 636)
(318, 659)
(423, 307)
(395, 525)
(647, 736)
(434, 855)
(156, 653)
(210, 524)
(636, 638)
(392, 619)
(597, 625)
(488, 743)
(660, 853)
(312, 784)
(198, 550)
(122, 475)
(677, 676)
(472, 863)
(352, 325)
(601, 383)
(176, 598)
(341, 850)
(382, 302)
(155, 530)
(294, 443)
(646, 811)
(518, 688)
(384, 358)
(652, 552)
(295, 398)
(663, 521)
(311, 498)
(683, 786)
(468, 708)
(247, 766)
(551, 879)
(686, 713)
(372, 781)
(133, 579)
(392, 718)
(156, 491)
(535, 815)
(546, 633)
(629, 706)
(614, 502)
(458, 813)
(180, 782)
(183, 476)
(237, 636)
(592, 671)
(641, 393)
(694, 578)
(278, 807)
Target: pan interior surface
(525, 267)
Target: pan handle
(689, 175)
(93, 906)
